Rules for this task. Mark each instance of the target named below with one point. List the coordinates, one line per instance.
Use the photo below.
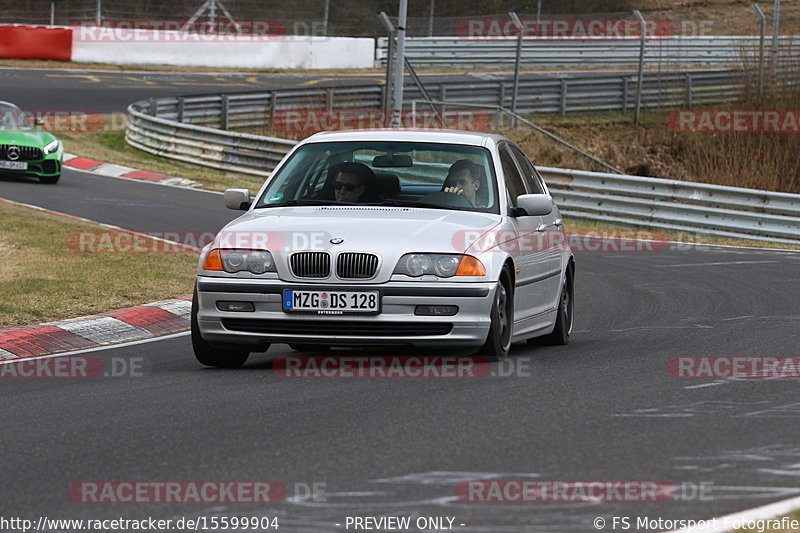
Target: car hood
(25, 137)
(386, 230)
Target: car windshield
(13, 118)
(433, 175)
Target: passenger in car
(465, 178)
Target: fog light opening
(238, 307)
(436, 310)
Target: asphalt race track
(603, 408)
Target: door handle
(541, 228)
(558, 222)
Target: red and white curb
(119, 171)
(122, 325)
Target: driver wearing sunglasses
(352, 182)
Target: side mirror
(238, 199)
(535, 204)
(38, 122)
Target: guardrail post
(273, 105)
(689, 90)
(181, 105)
(329, 98)
(153, 107)
(625, 95)
(443, 97)
(562, 107)
(501, 99)
(223, 116)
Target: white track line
(725, 524)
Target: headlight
(52, 147)
(232, 261)
(441, 265)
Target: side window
(513, 179)
(531, 176)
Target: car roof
(472, 138)
(3, 102)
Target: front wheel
(498, 342)
(208, 354)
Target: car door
(528, 252)
(554, 231)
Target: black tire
(566, 313)
(210, 355)
(51, 180)
(309, 347)
(498, 342)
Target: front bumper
(50, 166)
(396, 324)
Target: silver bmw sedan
(388, 237)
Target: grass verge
(44, 276)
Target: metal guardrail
(669, 52)
(632, 200)
(676, 205)
(224, 150)
(557, 94)
(180, 128)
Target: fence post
(224, 109)
(562, 107)
(762, 36)
(390, 36)
(181, 105)
(776, 32)
(641, 67)
(518, 58)
(153, 107)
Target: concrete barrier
(146, 47)
(18, 41)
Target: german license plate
(14, 165)
(331, 302)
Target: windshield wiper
(301, 201)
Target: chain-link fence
(358, 18)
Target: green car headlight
(51, 147)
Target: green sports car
(26, 150)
